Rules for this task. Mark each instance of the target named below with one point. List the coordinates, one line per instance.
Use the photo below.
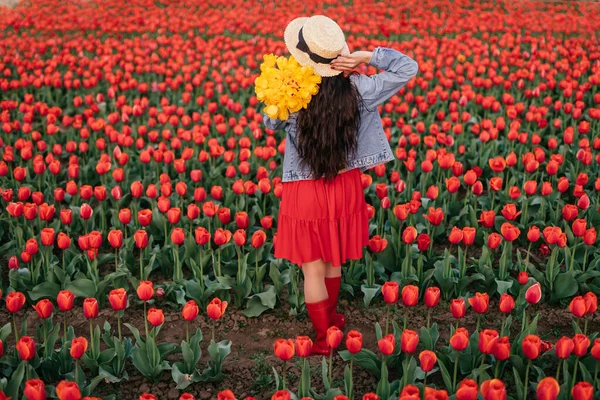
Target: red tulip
(63, 241)
(239, 237)
(216, 308)
(190, 311)
(432, 296)
(581, 343)
(467, 390)
(427, 359)
(115, 238)
(410, 295)
(510, 232)
(35, 389)
(78, 347)
(145, 290)
(564, 347)
(334, 337)
(387, 345)
(409, 341)
(531, 346)
(145, 217)
(44, 308)
(68, 391)
(303, 346)
(15, 301)
(90, 308)
(493, 389)
(118, 299)
(480, 302)
(377, 244)
(460, 339)
(177, 236)
(85, 211)
(547, 389)
(533, 295)
(155, 317)
(65, 300)
(583, 391)
(458, 308)
(222, 237)
(354, 342)
(501, 348)
(507, 303)
(26, 348)
(390, 292)
(487, 339)
(141, 239)
(284, 349)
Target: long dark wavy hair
(327, 128)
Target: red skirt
(323, 220)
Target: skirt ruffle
(323, 220)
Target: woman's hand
(347, 62)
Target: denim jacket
(372, 147)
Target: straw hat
(315, 41)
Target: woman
(323, 219)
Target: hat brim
(290, 38)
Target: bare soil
(248, 367)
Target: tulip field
(140, 192)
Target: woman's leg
(333, 281)
(317, 304)
(314, 281)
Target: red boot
(319, 315)
(333, 290)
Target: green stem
(77, 371)
(497, 369)
(330, 364)
(141, 264)
(92, 339)
(284, 372)
(558, 369)
(584, 266)
(65, 327)
(187, 331)
(387, 319)
(575, 372)
(572, 263)
(119, 325)
(256, 290)
(585, 326)
(406, 370)
(405, 319)
(428, 317)
(596, 373)
(45, 338)
(146, 318)
(526, 384)
(503, 326)
(455, 371)
(478, 321)
(351, 389)
(213, 331)
(219, 262)
(16, 331)
(201, 271)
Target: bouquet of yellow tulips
(285, 86)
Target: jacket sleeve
(399, 69)
(274, 124)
